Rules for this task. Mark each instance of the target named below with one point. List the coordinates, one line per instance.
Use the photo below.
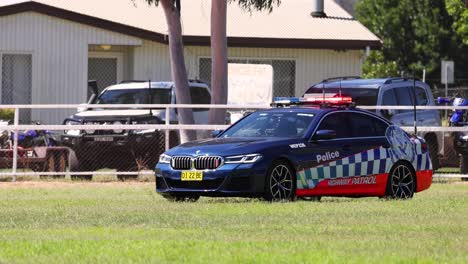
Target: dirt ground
(59, 184)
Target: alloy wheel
(281, 183)
(402, 182)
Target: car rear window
(361, 96)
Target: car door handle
(346, 148)
(386, 146)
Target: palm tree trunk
(219, 65)
(179, 72)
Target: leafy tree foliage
(416, 34)
(376, 66)
(459, 12)
(259, 5)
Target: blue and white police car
(304, 147)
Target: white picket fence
(15, 127)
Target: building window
(17, 81)
(284, 73)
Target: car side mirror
(324, 134)
(216, 133)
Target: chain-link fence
(451, 159)
(127, 145)
(458, 88)
(117, 140)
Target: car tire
(48, 166)
(311, 198)
(433, 151)
(280, 182)
(464, 166)
(50, 163)
(401, 182)
(180, 198)
(60, 162)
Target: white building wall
(312, 65)
(59, 51)
(152, 61)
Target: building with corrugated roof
(50, 48)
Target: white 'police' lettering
(328, 156)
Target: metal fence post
(166, 131)
(15, 144)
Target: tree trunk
(219, 65)
(179, 72)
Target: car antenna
(414, 105)
(150, 96)
(340, 89)
(323, 90)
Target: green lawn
(123, 223)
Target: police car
(305, 147)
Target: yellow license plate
(191, 176)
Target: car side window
(421, 96)
(363, 125)
(200, 95)
(404, 96)
(380, 127)
(389, 97)
(337, 122)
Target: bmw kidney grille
(198, 163)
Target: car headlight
(250, 158)
(118, 131)
(163, 158)
(90, 131)
(74, 132)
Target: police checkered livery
(422, 161)
(369, 162)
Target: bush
(7, 114)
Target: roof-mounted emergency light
(318, 101)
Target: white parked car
(97, 149)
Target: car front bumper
(124, 141)
(246, 180)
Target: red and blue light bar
(313, 100)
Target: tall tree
(172, 10)
(219, 60)
(459, 13)
(416, 33)
(219, 51)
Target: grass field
(127, 222)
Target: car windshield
(272, 124)
(135, 96)
(361, 96)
